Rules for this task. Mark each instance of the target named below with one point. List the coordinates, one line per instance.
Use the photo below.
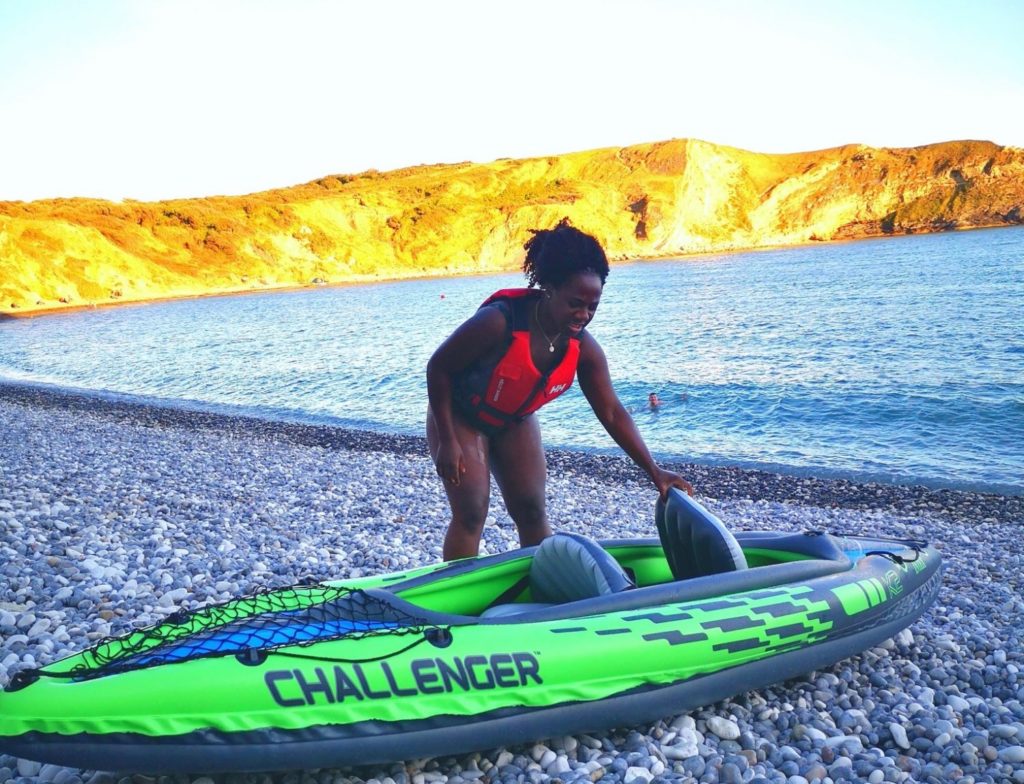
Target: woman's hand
(449, 461)
(664, 480)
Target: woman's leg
(519, 467)
(470, 498)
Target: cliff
(650, 200)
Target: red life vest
(505, 388)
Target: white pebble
(538, 751)
(680, 751)
(899, 734)
(726, 729)
(1014, 755)
(558, 766)
(957, 703)
(637, 774)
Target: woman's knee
(470, 515)
(532, 525)
(528, 512)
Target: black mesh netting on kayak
(249, 628)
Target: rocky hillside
(650, 200)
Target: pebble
(724, 728)
(899, 735)
(637, 775)
(957, 703)
(1012, 754)
(558, 766)
(114, 515)
(816, 772)
(680, 751)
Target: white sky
(173, 98)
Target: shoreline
(114, 514)
(711, 481)
(367, 280)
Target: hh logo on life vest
(557, 389)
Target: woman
(519, 351)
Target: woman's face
(574, 303)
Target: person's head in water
(570, 267)
(653, 401)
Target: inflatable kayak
(570, 636)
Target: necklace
(551, 342)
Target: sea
(897, 360)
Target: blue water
(895, 360)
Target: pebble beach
(115, 513)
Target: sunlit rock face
(650, 200)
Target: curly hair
(555, 255)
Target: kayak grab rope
(895, 557)
(916, 545)
(249, 628)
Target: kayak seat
(566, 568)
(569, 567)
(696, 543)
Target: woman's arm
(596, 383)
(473, 339)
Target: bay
(896, 359)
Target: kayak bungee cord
(251, 628)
